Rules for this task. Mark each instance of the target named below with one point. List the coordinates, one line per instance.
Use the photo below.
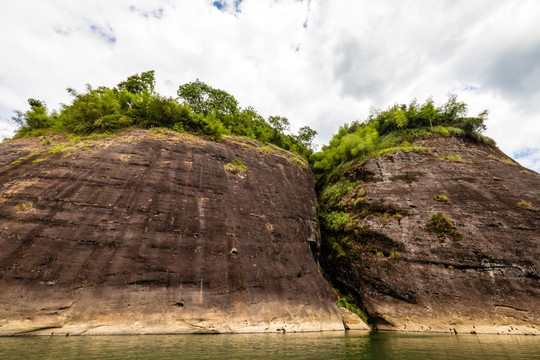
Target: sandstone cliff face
(148, 232)
(410, 277)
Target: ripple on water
(329, 345)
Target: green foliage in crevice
(342, 206)
(333, 195)
(349, 303)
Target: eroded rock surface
(410, 277)
(149, 233)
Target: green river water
(328, 345)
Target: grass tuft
(27, 206)
(525, 205)
(442, 226)
(299, 161)
(440, 198)
(236, 166)
(335, 220)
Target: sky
(320, 63)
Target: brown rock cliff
(151, 232)
(482, 275)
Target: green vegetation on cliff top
(393, 129)
(133, 103)
(202, 109)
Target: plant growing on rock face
(349, 303)
(27, 206)
(398, 216)
(335, 220)
(525, 204)
(334, 195)
(236, 166)
(455, 158)
(297, 160)
(440, 198)
(442, 226)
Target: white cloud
(320, 63)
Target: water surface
(328, 345)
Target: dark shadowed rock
(473, 267)
(153, 232)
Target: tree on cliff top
(136, 84)
(391, 127)
(203, 98)
(134, 103)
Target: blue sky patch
(470, 88)
(223, 5)
(524, 153)
(106, 34)
(155, 13)
(158, 13)
(62, 31)
(237, 5)
(220, 5)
